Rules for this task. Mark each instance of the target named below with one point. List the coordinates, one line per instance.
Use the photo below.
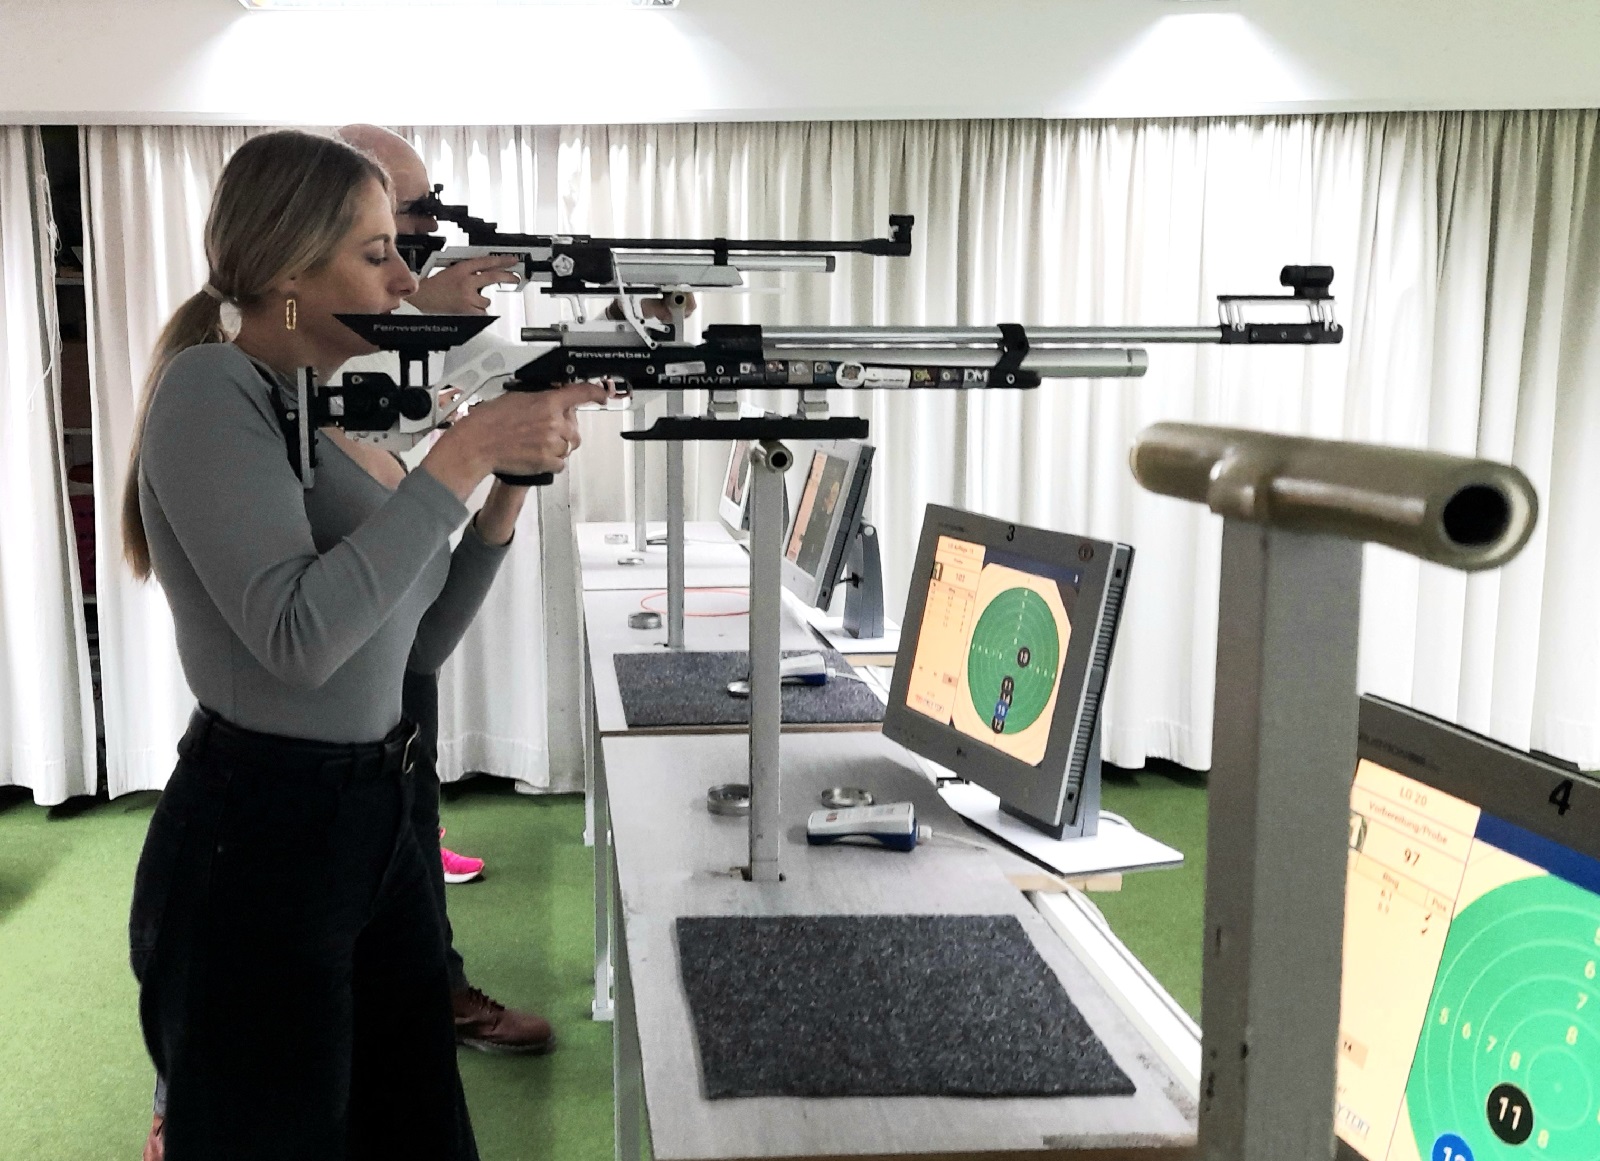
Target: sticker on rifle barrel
(674, 369)
(975, 375)
(851, 374)
(922, 376)
(800, 372)
(887, 377)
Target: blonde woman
(284, 931)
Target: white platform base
(1117, 846)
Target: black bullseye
(1510, 1114)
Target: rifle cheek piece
(1468, 514)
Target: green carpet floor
(74, 1078)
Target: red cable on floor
(644, 602)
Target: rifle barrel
(913, 337)
(1050, 363)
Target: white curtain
(1466, 250)
(492, 703)
(1465, 246)
(47, 727)
(146, 193)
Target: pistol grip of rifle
(539, 480)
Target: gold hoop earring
(291, 313)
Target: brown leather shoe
(155, 1145)
(490, 1026)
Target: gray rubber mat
(691, 689)
(884, 1005)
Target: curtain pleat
(147, 190)
(47, 725)
(492, 705)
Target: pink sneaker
(459, 868)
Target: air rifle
(577, 264)
(648, 355)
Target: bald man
(458, 288)
(481, 1022)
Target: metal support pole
(628, 1113)
(675, 562)
(1283, 758)
(641, 491)
(768, 461)
(563, 629)
(601, 1008)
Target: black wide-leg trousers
(290, 954)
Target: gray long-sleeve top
(295, 609)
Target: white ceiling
(178, 61)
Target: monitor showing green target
(1470, 1008)
(1003, 658)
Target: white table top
(673, 858)
(712, 558)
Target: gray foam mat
(884, 1005)
(691, 689)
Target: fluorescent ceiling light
(330, 5)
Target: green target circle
(1013, 660)
(1515, 1003)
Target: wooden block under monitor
(1107, 882)
(1050, 884)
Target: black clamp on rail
(1013, 349)
(704, 429)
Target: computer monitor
(827, 528)
(733, 508)
(1003, 658)
(1470, 1008)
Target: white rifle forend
(1466, 513)
(652, 271)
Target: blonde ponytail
(197, 320)
(283, 204)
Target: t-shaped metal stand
(769, 459)
(675, 550)
(1283, 755)
(1297, 513)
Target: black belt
(211, 737)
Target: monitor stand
(1081, 819)
(863, 596)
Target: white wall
(185, 61)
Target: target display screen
(993, 640)
(1470, 1008)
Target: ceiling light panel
(331, 5)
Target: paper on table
(1117, 846)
